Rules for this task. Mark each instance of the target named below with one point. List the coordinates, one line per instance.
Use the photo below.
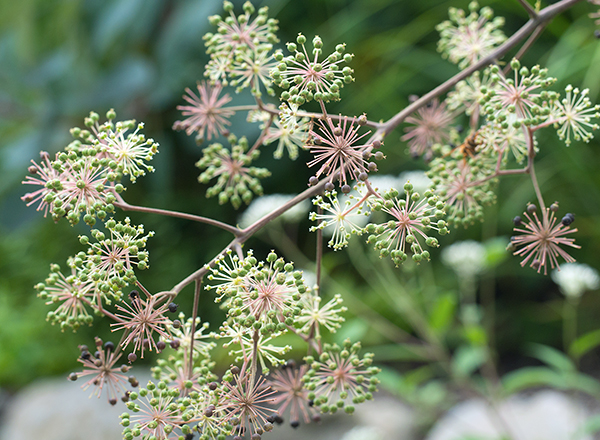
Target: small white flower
(266, 204)
(574, 279)
(466, 258)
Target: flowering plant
(269, 304)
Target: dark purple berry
(109, 346)
(517, 220)
(173, 307)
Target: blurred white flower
(419, 180)
(266, 204)
(574, 279)
(466, 258)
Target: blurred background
(59, 59)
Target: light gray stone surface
(546, 415)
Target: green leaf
(584, 344)
(400, 352)
(443, 313)
(552, 357)
(467, 359)
(529, 377)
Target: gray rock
(546, 415)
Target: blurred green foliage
(59, 59)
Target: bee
(469, 147)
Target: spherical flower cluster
(73, 296)
(304, 77)
(413, 217)
(156, 413)
(339, 220)
(315, 315)
(240, 49)
(291, 394)
(464, 185)
(83, 178)
(573, 115)
(465, 39)
(236, 180)
(339, 378)
(520, 99)
(142, 319)
(291, 131)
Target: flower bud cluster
(236, 180)
(304, 77)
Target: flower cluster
(339, 220)
(83, 179)
(339, 378)
(465, 185)
(206, 114)
(236, 180)
(430, 125)
(540, 239)
(413, 217)
(340, 152)
(240, 49)
(304, 77)
(465, 39)
(105, 375)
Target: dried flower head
(541, 239)
(430, 125)
(247, 403)
(206, 114)
(340, 152)
(101, 365)
(142, 319)
(291, 394)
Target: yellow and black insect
(469, 147)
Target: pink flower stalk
(542, 239)
(206, 113)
